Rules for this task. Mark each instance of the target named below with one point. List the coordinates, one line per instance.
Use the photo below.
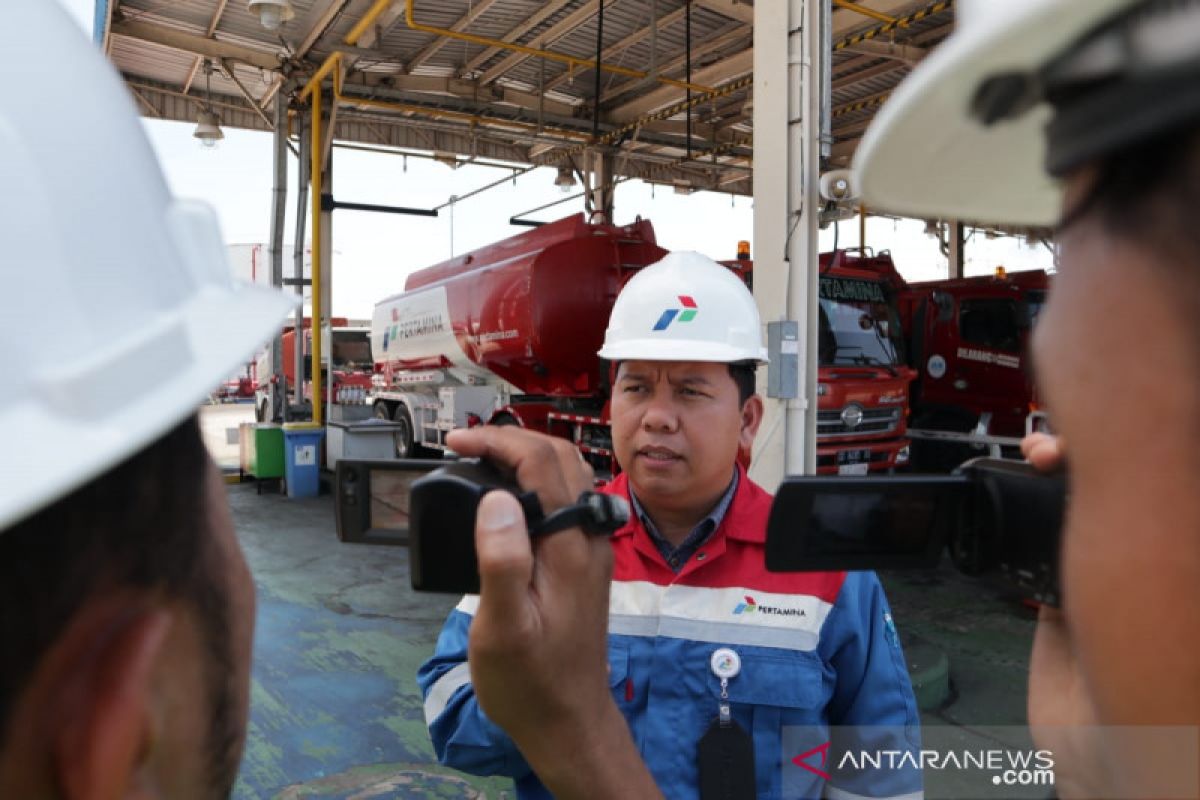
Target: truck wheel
(381, 410)
(505, 419)
(404, 433)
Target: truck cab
(349, 349)
(968, 338)
(863, 378)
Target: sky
(375, 252)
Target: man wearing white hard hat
(707, 652)
(127, 607)
(1085, 114)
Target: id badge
(726, 751)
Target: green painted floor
(336, 712)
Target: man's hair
(143, 525)
(742, 373)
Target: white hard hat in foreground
(685, 307)
(1022, 91)
(120, 313)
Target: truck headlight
(902, 456)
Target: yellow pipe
(571, 61)
(351, 39)
(866, 12)
(314, 82)
(367, 21)
(315, 326)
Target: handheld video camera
(439, 502)
(999, 519)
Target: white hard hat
(933, 152)
(119, 311)
(685, 307)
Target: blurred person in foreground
(126, 608)
(1083, 114)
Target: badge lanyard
(726, 751)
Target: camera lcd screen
(822, 524)
(372, 498)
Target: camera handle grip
(595, 513)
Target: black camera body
(442, 510)
(999, 519)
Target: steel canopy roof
(488, 102)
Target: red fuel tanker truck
(508, 335)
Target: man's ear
(752, 415)
(105, 715)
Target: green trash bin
(261, 450)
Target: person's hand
(538, 644)
(1062, 718)
(1044, 451)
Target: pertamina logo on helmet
(685, 314)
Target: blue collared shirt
(676, 557)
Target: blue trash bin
(302, 458)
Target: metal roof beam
(855, 78)
(555, 32)
(212, 28)
(907, 53)
(699, 50)
(544, 13)
(715, 74)
(740, 10)
(322, 15)
(195, 44)
(387, 19)
(431, 49)
(664, 22)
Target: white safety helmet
(685, 307)
(970, 134)
(119, 309)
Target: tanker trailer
(507, 335)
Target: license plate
(853, 456)
(854, 469)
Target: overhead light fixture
(208, 128)
(272, 13)
(565, 180)
(208, 124)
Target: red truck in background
(508, 335)
(863, 379)
(352, 367)
(968, 338)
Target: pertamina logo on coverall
(751, 606)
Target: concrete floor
(336, 712)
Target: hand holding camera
(538, 643)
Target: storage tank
(531, 309)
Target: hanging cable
(599, 48)
(688, 78)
